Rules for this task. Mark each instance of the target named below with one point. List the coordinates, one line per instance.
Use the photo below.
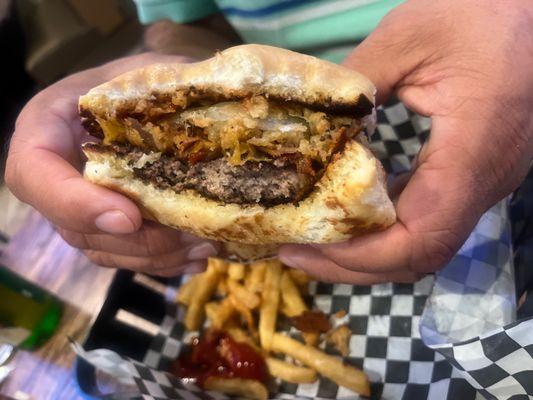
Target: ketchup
(217, 354)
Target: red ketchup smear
(217, 354)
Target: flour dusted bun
(237, 72)
(348, 198)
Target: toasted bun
(349, 199)
(237, 72)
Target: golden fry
(329, 366)
(186, 291)
(236, 271)
(211, 310)
(220, 265)
(222, 287)
(340, 339)
(268, 312)
(239, 335)
(290, 372)
(256, 276)
(242, 388)
(219, 312)
(299, 277)
(245, 313)
(249, 299)
(293, 303)
(311, 338)
(205, 287)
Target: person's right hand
(467, 64)
(43, 169)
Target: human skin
(43, 169)
(467, 64)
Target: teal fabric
(177, 10)
(328, 29)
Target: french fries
(255, 278)
(339, 337)
(236, 271)
(240, 335)
(268, 312)
(219, 312)
(242, 388)
(245, 313)
(187, 290)
(222, 287)
(329, 366)
(245, 302)
(293, 303)
(290, 372)
(311, 338)
(205, 286)
(246, 297)
(220, 265)
(299, 277)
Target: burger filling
(249, 151)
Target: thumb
(41, 170)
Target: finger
(387, 251)
(151, 265)
(151, 240)
(54, 187)
(315, 264)
(194, 267)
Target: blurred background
(45, 40)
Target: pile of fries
(246, 302)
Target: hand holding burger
(467, 65)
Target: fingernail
(292, 262)
(202, 251)
(114, 222)
(194, 267)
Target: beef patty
(251, 183)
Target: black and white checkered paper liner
(448, 336)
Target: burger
(254, 147)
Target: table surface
(38, 253)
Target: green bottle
(28, 314)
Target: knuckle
(168, 273)
(74, 239)
(154, 241)
(11, 175)
(102, 259)
(434, 252)
(164, 262)
(152, 245)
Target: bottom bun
(247, 253)
(350, 199)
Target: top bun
(238, 72)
